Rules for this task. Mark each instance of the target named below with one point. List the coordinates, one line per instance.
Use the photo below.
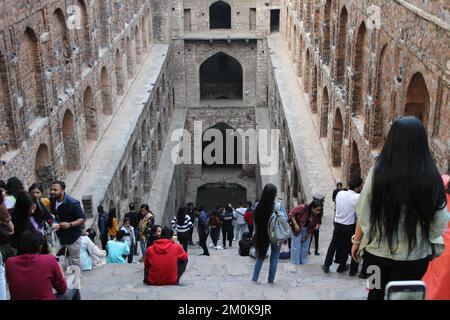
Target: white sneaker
(215, 248)
(211, 245)
(219, 248)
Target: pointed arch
(418, 99)
(221, 77)
(70, 142)
(337, 139)
(220, 15)
(324, 113)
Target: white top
(239, 215)
(58, 203)
(345, 207)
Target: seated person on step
(32, 275)
(117, 249)
(165, 261)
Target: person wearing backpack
(266, 214)
(305, 219)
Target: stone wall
(62, 79)
(359, 76)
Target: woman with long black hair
(182, 223)
(263, 211)
(402, 211)
(112, 223)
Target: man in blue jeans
(203, 230)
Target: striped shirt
(187, 224)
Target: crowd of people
(395, 220)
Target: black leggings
(392, 270)
(183, 238)
(315, 234)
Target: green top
(423, 247)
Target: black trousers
(131, 255)
(202, 238)
(104, 239)
(191, 232)
(227, 233)
(183, 238)
(392, 270)
(250, 229)
(341, 245)
(215, 235)
(315, 234)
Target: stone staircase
(224, 276)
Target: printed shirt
(422, 249)
(186, 226)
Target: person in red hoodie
(31, 275)
(165, 261)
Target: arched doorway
(376, 136)
(294, 45)
(43, 168)
(30, 68)
(359, 63)
(125, 185)
(135, 157)
(90, 115)
(119, 73)
(84, 36)
(146, 175)
(313, 96)
(220, 15)
(307, 72)
(341, 47)
(324, 117)
(418, 99)
(137, 40)
(212, 194)
(218, 141)
(355, 168)
(70, 141)
(8, 130)
(326, 49)
(129, 59)
(106, 92)
(337, 139)
(221, 77)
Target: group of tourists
(394, 220)
(34, 231)
(231, 222)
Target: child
(214, 223)
(129, 237)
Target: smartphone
(405, 290)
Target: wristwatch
(354, 241)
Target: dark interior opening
(221, 78)
(220, 15)
(275, 20)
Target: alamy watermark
(229, 146)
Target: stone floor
(224, 275)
